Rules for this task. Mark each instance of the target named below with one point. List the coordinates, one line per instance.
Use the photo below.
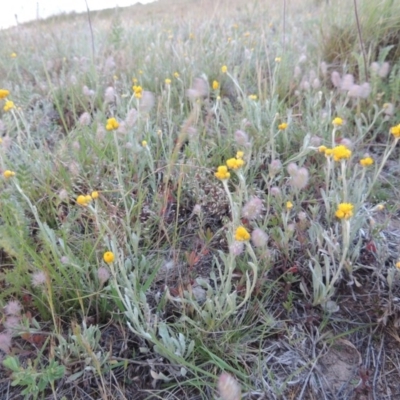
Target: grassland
(199, 200)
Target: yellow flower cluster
(344, 211)
(215, 85)
(241, 234)
(289, 205)
(282, 126)
(235, 163)
(137, 91)
(366, 161)
(176, 75)
(253, 97)
(8, 174)
(232, 163)
(222, 173)
(395, 131)
(85, 200)
(112, 124)
(8, 105)
(168, 81)
(338, 153)
(224, 69)
(4, 93)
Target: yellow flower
(8, 105)
(13, 55)
(344, 210)
(241, 234)
(234, 163)
(289, 205)
(224, 69)
(395, 131)
(176, 75)
(168, 81)
(222, 173)
(134, 80)
(340, 153)
(137, 91)
(322, 149)
(108, 257)
(215, 85)
(366, 161)
(88, 198)
(328, 152)
(82, 200)
(112, 123)
(4, 93)
(95, 195)
(240, 154)
(397, 265)
(337, 122)
(282, 126)
(253, 97)
(8, 174)
(278, 59)
(144, 143)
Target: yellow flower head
(253, 97)
(8, 174)
(95, 195)
(289, 205)
(397, 265)
(176, 75)
(137, 91)
(282, 126)
(8, 105)
(144, 143)
(108, 257)
(241, 234)
(278, 59)
(222, 173)
(322, 149)
(395, 131)
(366, 161)
(4, 93)
(82, 200)
(337, 122)
(168, 81)
(240, 154)
(234, 163)
(13, 55)
(344, 211)
(135, 81)
(224, 69)
(112, 124)
(215, 85)
(340, 152)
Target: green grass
(187, 296)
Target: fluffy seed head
(253, 208)
(103, 274)
(13, 307)
(229, 388)
(259, 238)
